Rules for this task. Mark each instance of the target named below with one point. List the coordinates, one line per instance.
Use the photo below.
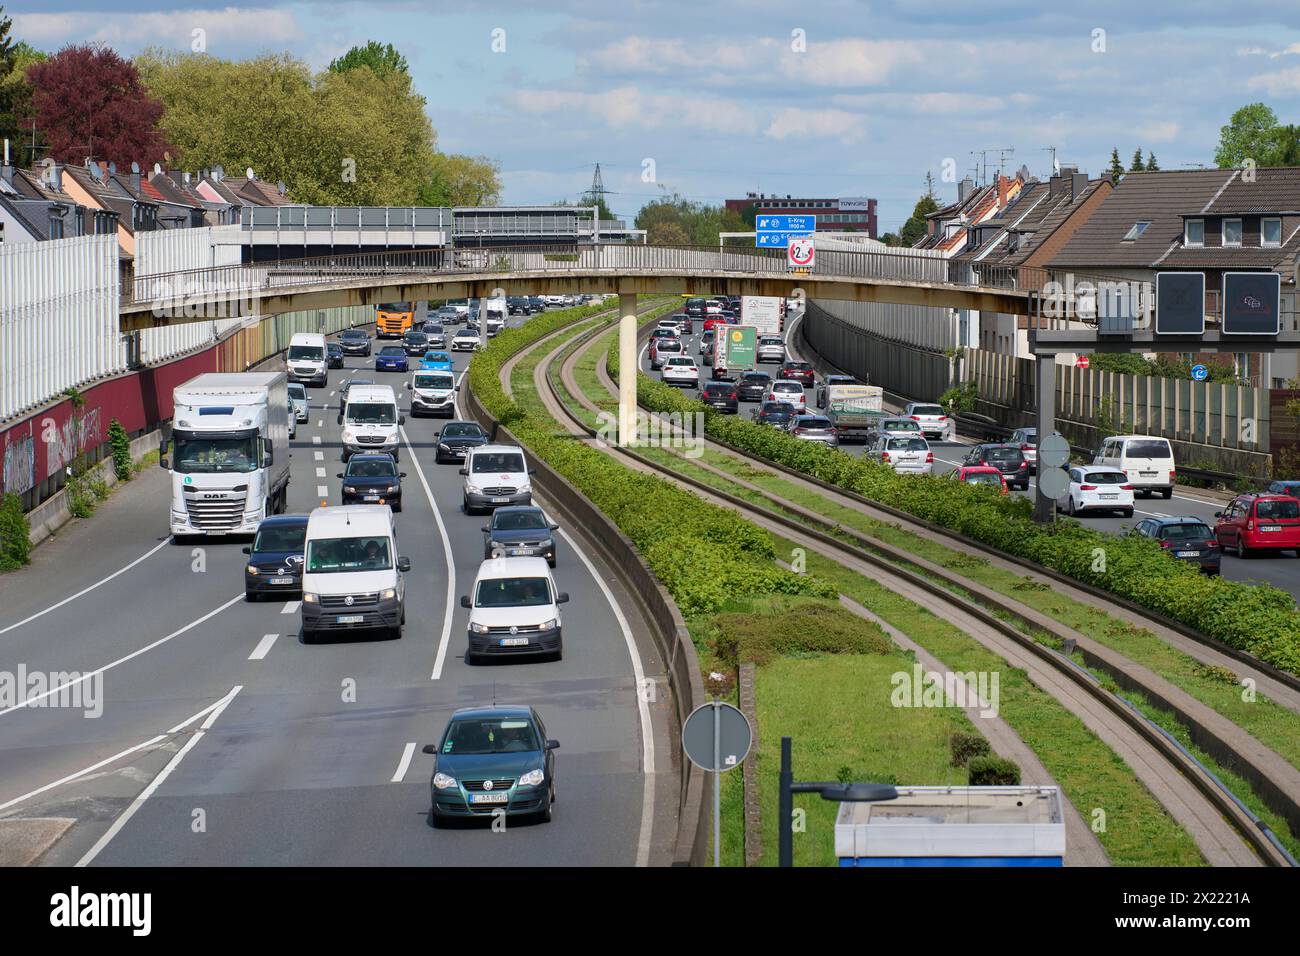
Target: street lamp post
(835, 792)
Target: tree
(88, 101)
(1151, 162)
(458, 180)
(1288, 145)
(1251, 133)
(16, 100)
(1137, 165)
(6, 42)
(380, 57)
(1116, 167)
(667, 233)
(916, 227)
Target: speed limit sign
(800, 254)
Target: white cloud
(1281, 83)
(231, 26)
(628, 106)
(821, 124)
(1160, 132)
(937, 103)
(850, 62)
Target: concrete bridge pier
(627, 368)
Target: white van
(370, 421)
(496, 475)
(352, 574)
(1147, 460)
(306, 358)
(433, 392)
(514, 609)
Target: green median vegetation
(15, 533)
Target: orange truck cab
(394, 319)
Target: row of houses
(1203, 220)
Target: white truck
(763, 312)
(229, 459)
(854, 410)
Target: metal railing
(347, 218)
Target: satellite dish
(135, 167)
(218, 172)
(112, 168)
(248, 173)
(157, 168)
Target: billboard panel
(1180, 303)
(1252, 303)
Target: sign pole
(717, 784)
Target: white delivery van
(305, 360)
(514, 609)
(370, 421)
(433, 392)
(1146, 459)
(352, 574)
(496, 475)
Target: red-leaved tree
(88, 101)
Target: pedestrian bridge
(269, 288)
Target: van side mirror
(552, 745)
(162, 463)
(465, 471)
(464, 600)
(401, 419)
(403, 564)
(162, 447)
(340, 419)
(401, 474)
(555, 527)
(532, 471)
(562, 597)
(431, 749)
(487, 528)
(1218, 514)
(247, 550)
(339, 475)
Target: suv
(1257, 522)
(496, 475)
(1007, 459)
(753, 386)
(932, 418)
(520, 531)
(456, 439)
(801, 372)
(771, 348)
(275, 557)
(1027, 439)
(372, 479)
(720, 396)
(415, 343)
(786, 391)
(354, 342)
(514, 609)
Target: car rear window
(1188, 531)
(1105, 478)
(907, 444)
(719, 387)
(927, 410)
(1148, 449)
(815, 422)
(1004, 454)
(793, 388)
(1277, 508)
(901, 425)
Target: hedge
(705, 555)
(15, 533)
(1260, 619)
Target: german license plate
(1147, 474)
(351, 618)
(489, 798)
(516, 552)
(500, 501)
(372, 497)
(282, 580)
(1270, 527)
(1188, 554)
(1109, 497)
(514, 641)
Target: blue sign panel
(799, 224)
(780, 239)
(1200, 373)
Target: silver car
(436, 334)
(815, 428)
(932, 418)
(907, 456)
(298, 400)
(771, 348)
(1027, 439)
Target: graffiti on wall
(63, 443)
(19, 463)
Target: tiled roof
(1054, 215)
(15, 209)
(1267, 190)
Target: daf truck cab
(306, 360)
(229, 452)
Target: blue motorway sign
(798, 224)
(1200, 373)
(779, 239)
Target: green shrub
(992, 771)
(15, 533)
(80, 496)
(965, 747)
(807, 629)
(120, 442)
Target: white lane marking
(122, 660)
(446, 550)
(404, 764)
(315, 439)
(158, 781)
(332, 394)
(455, 396)
(318, 456)
(263, 647)
(122, 570)
(320, 472)
(291, 607)
(320, 422)
(643, 708)
(322, 491)
(108, 761)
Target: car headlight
(309, 598)
(388, 594)
(547, 625)
(478, 628)
(393, 489)
(443, 447)
(443, 782)
(252, 570)
(532, 778)
(347, 434)
(350, 489)
(526, 488)
(472, 488)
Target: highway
(1281, 570)
(260, 750)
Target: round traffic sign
(801, 252)
(1053, 482)
(734, 736)
(1053, 452)
(1081, 361)
(1200, 373)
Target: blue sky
(714, 100)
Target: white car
(1097, 488)
(514, 609)
(464, 340)
(906, 455)
(298, 400)
(496, 475)
(788, 390)
(681, 370)
(771, 348)
(706, 342)
(932, 418)
(433, 392)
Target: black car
(517, 531)
(333, 355)
(456, 438)
(695, 308)
(721, 396)
(779, 414)
(517, 305)
(372, 480)
(415, 343)
(753, 386)
(343, 390)
(800, 372)
(536, 303)
(1188, 539)
(492, 759)
(275, 557)
(1008, 459)
(354, 342)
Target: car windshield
(464, 430)
(1105, 477)
(907, 444)
(440, 381)
(371, 468)
(395, 307)
(512, 592)
(198, 455)
(372, 413)
(901, 425)
(1187, 531)
(391, 350)
(467, 333)
(354, 334)
(287, 537)
(1278, 508)
(518, 521)
(1148, 449)
(491, 735)
(298, 391)
(502, 461)
(926, 410)
(328, 555)
(416, 338)
(306, 353)
(433, 329)
(984, 478)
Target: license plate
(516, 552)
(489, 798)
(372, 497)
(1147, 474)
(514, 641)
(1108, 497)
(1270, 527)
(282, 580)
(500, 501)
(351, 618)
(1188, 554)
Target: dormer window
(1137, 229)
(1232, 232)
(1270, 231)
(1194, 232)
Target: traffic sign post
(717, 737)
(1053, 455)
(1180, 303)
(1252, 303)
(801, 255)
(1200, 373)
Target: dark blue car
(275, 558)
(490, 759)
(391, 358)
(372, 480)
(1186, 539)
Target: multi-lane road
(223, 739)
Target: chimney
(218, 174)
(1054, 185)
(1078, 183)
(964, 188)
(135, 177)
(6, 170)
(1003, 183)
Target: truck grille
(499, 492)
(215, 514)
(370, 439)
(517, 629)
(336, 601)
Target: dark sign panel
(1180, 303)
(1252, 303)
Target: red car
(713, 320)
(1258, 522)
(980, 475)
(800, 372)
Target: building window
(1270, 231)
(56, 227)
(1194, 232)
(1137, 229)
(1232, 232)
